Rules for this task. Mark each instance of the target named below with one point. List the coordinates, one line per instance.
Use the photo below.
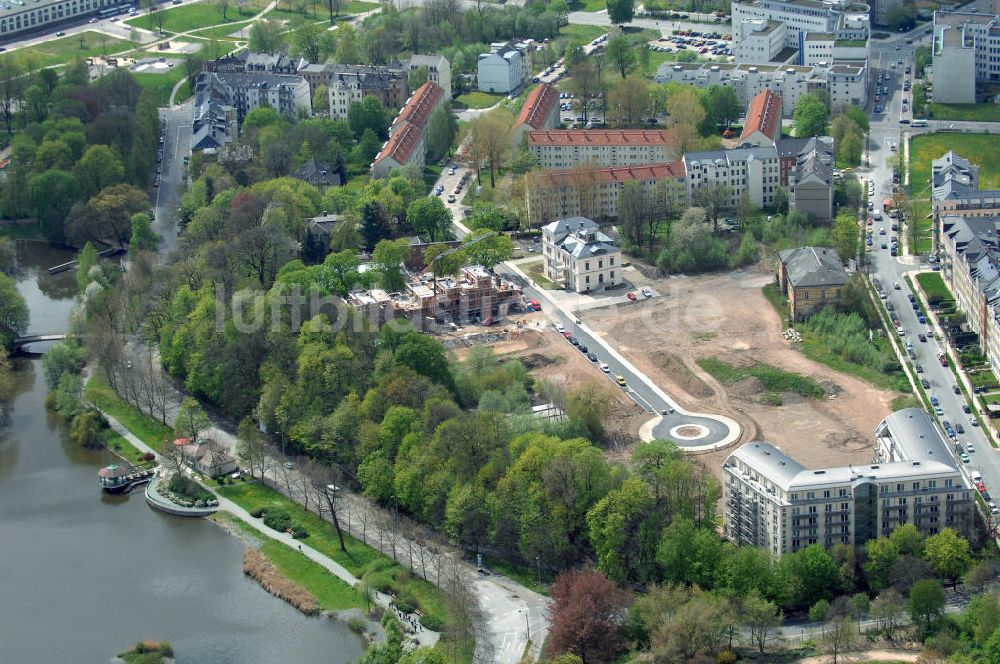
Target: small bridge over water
(21, 342)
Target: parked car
(620, 380)
(632, 297)
(604, 367)
(647, 292)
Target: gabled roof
(420, 105)
(660, 137)
(400, 145)
(563, 226)
(550, 179)
(537, 106)
(763, 115)
(316, 172)
(813, 266)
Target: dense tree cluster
(83, 156)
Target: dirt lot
(548, 356)
(726, 316)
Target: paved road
(885, 129)
(176, 146)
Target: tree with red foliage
(587, 615)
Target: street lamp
(527, 625)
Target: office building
(799, 18)
(964, 53)
(774, 502)
(568, 148)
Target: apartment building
(347, 84)
(223, 99)
(774, 502)
(811, 278)
(539, 112)
(505, 68)
(605, 148)
(407, 145)
(591, 192)
(763, 121)
(955, 191)
(846, 84)
(246, 61)
(969, 250)
(579, 256)
(965, 52)
(438, 70)
(20, 15)
(810, 187)
(752, 171)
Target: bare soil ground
(548, 356)
(726, 316)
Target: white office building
(966, 51)
(800, 18)
(774, 502)
(753, 171)
(759, 40)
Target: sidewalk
(424, 637)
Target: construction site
(474, 295)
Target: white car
(604, 367)
(969, 447)
(993, 507)
(647, 293)
(559, 328)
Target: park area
(715, 344)
(196, 15)
(86, 44)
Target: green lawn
(581, 32)
(196, 15)
(121, 446)
(148, 430)
(587, 6)
(933, 286)
(980, 149)
(921, 231)
(477, 100)
(966, 112)
(359, 558)
(161, 84)
(536, 272)
(83, 45)
(330, 592)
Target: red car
(980, 487)
(567, 334)
(632, 297)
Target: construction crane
(449, 252)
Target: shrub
(405, 604)
(356, 625)
(257, 512)
(435, 624)
(298, 532)
(278, 519)
(148, 456)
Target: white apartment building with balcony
(774, 502)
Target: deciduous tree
(587, 615)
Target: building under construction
(474, 296)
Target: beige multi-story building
(605, 148)
(579, 257)
(752, 171)
(438, 70)
(347, 84)
(593, 192)
(774, 502)
(845, 83)
(760, 40)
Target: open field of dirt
(549, 357)
(726, 316)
